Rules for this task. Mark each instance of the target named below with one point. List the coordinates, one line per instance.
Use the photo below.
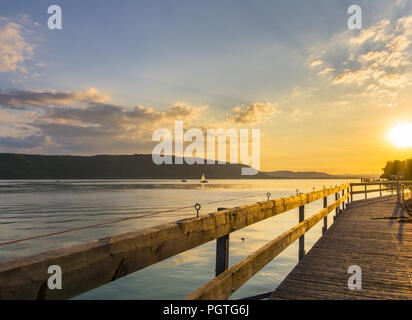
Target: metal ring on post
(197, 207)
(268, 195)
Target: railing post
(343, 202)
(351, 193)
(302, 238)
(337, 209)
(325, 220)
(398, 193)
(380, 190)
(348, 197)
(222, 252)
(366, 191)
(337, 197)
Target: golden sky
(324, 97)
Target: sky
(324, 97)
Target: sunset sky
(324, 97)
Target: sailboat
(203, 180)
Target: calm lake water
(30, 208)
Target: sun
(401, 135)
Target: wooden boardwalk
(381, 247)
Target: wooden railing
(233, 278)
(90, 265)
(400, 188)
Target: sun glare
(401, 135)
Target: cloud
(31, 98)
(378, 57)
(32, 141)
(348, 77)
(326, 71)
(14, 48)
(316, 63)
(102, 127)
(376, 33)
(181, 110)
(79, 121)
(255, 113)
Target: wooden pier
(372, 234)
(366, 233)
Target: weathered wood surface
(364, 236)
(88, 266)
(224, 285)
(370, 191)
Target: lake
(31, 208)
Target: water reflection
(30, 208)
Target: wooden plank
(90, 265)
(232, 279)
(365, 235)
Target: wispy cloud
(15, 50)
(33, 98)
(378, 60)
(257, 112)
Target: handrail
(396, 187)
(224, 285)
(90, 265)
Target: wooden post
(222, 252)
(380, 190)
(302, 238)
(366, 191)
(392, 188)
(343, 202)
(348, 197)
(336, 199)
(351, 193)
(398, 193)
(325, 220)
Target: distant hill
(299, 175)
(139, 166)
(313, 175)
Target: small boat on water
(203, 180)
(183, 180)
